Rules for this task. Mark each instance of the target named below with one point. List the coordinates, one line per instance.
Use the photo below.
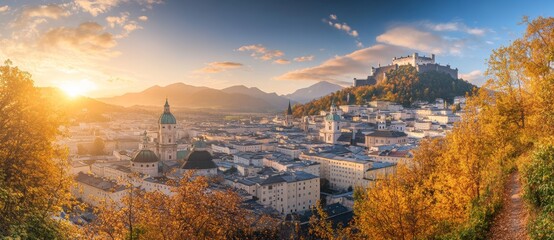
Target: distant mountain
(238, 98)
(277, 101)
(315, 91)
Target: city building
(385, 137)
(330, 133)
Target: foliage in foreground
(192, 212)
(539, 191)
(34, 185)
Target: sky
(103, 48)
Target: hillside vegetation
(404, 85)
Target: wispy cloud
(258, 51)
(281, 61)
(413, 38)
(307, 58)
(4, 8)
(217, 67)
(96, 7)
(143, 18)
(455, 27)
(117, 20)
(88, 38)
(51, 11)
(341, 69)
(476, 77)
(333, 21)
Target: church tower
(331, 132)
(288, 117)
(167, 147)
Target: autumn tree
(192, 211)
(34, 185)
(400, 206)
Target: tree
(322, 228)
(34, 185)
(193, 211)
(98, 147)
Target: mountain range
(312, 92)
(235, 98)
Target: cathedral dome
(145, 156)
(199, 160)
(333, 117)
(167, 118)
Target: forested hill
(404, 85)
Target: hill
(238, 98)
(312, 92)
(275, 100)
(404, 85)
(80, 109)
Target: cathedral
(165, 145)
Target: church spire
(289, 110)
(166, 106)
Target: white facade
(331, 131)
(341, 172)
(291, 196)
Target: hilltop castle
(421, 63)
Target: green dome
(333, 117)
(167, 118)
(145, 156)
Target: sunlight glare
(77, 88)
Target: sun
(77, 88)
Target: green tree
(98, 147)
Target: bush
(540, 178)
(539, 191)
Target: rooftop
(98, 182)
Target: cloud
(96, 7)
(281, 61)
(150, 3)
(51, 11)
(4, 8)
(143, 18)
(341, 69)
(258, 51)
(476, 77)
(410, 37)
(119, 21)
(455, 27)
(307, 58)
(128, 28)
(217, 67)
(333, 22)
(88, 37)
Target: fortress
(421, 63)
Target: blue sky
(108, 47)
